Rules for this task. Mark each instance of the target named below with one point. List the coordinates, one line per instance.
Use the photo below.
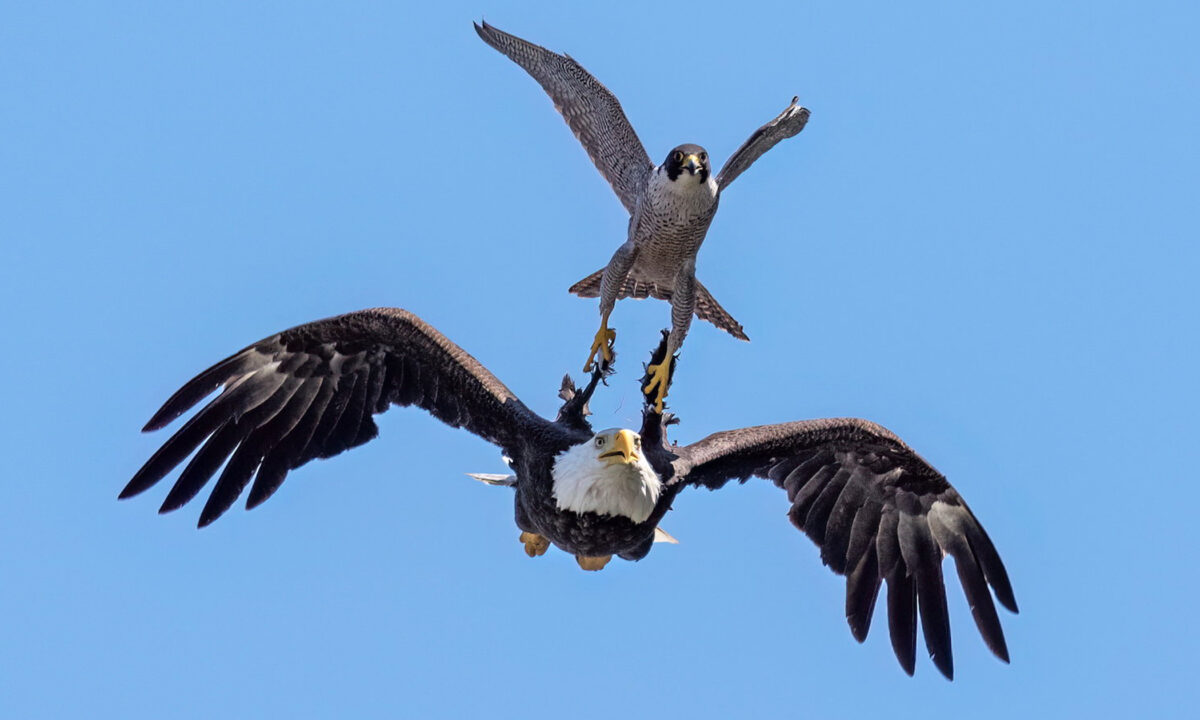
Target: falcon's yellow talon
(592, 563)
(605, 339)
(535, 544)
(660, 376)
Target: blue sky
(985, 240)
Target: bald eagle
(878, 512)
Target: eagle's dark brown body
(879, 512)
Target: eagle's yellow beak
(624, 449)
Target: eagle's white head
(607, 475)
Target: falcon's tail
(707, 308)
(589, 287)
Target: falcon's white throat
(685, 192)
(585, 482)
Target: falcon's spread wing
(787, 124)
(591, 111)
(879, 513)
(310, 392)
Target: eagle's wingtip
(158, 422)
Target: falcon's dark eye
(704, 157)
(678, 157)
(599, 442)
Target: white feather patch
(685, 190)
(584, 483)
(494, 479)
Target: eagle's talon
(592, 564)
(535, 544)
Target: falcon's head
(607, 475)
(688, 160)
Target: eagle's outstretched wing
(879, 513)
(787, 124)
(590, 109)
(310, 392)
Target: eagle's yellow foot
(534, 544)
(603, 344)
(660, 376)
(592, 563)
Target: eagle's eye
(600, 442)
(678, 156)
(637, 441)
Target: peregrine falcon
(670, 205)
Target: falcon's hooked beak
(621, 448)
(693, 163)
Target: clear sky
(985, 240)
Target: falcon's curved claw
(535, 544)
(658, 380)
(603, 344)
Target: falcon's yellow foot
(534, 544)
(592, 563)
(603, 344)
(660, 377)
